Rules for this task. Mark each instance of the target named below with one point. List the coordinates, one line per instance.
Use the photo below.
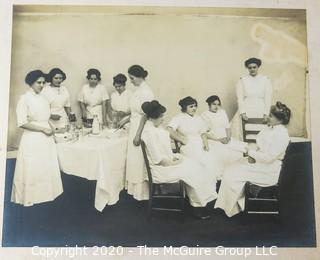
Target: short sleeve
(104, 93)
(174, 123)
(202, 126)
(146, 96)
(22, 112)
(205, 118)
(81, 95)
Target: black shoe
(201, 213)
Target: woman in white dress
(58, 98)
(94, 98)
(120, 99)
(37, 176)
(226, 148)
(262, 166)
(167, 167)
(254, 95)
(136, 183)
(190, 130)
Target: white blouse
(93, 96)
(188, 125)
(272, 143)
(33, 108)
(121, 102)
(141, 95)
(217, 122)
(254, 95)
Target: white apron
(136, 175)
(37, 176)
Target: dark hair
(183, 103)
(54, 72)
(120, 79)
(33, 75)
(138, 71)
(281, 112)
(153, 109)
(211, 99)
(94, 72)
(253, 60)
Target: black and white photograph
(155, 126)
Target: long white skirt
(37, 176)
(136, 173)
(208, 159)
(231, 193)
(200, 185)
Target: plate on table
(63, 137)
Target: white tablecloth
(96, 158)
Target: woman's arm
(68, 110)
(177, 136)
(137, 138)
(104, 112)
(35, 128)
(205, 142)
(83, 109)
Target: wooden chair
(155, 193)
(249, 135)
(265, 200)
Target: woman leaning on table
(58, 98)
(167, 167)
(254, 95)
(37, 176)
(136, 175)
(262, 166)
(94, 98)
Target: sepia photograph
(158, 126)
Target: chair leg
(149, 208)
(182, 201)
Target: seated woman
(37, 176)
(226, 148)
(190, 130)
(58, 98)
(167, 167)
(120, 98)
(94, 98)
(262, 166)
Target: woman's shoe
(201, 213)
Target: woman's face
(38, 85)
(253, 69)
(93, 80)
(191, 109)
(272, 120)
(56, 80)
(119, 87)
(135, 80)
(214, 106)
(158, 121)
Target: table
(97, 158)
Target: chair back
(284, 164)
(146, 161)
(246, 133)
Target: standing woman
(58, 98)
(136, 182)
(262, 166)
(94, 98)
(254, 94)
(37, 176)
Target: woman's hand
(265, 118)
(251, 160)
(47, 131)
(183, 140)
(224, 140)
(137, 140)
(244, 117)
(177, 160)
(206, 147)
(55, 117)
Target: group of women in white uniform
(208, 150)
